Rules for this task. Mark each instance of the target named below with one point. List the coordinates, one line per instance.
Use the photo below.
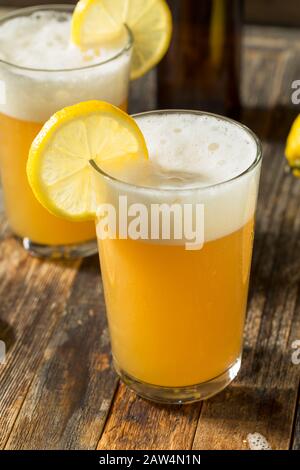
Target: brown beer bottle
(202, 67)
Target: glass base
(80, 250)
(181, 395)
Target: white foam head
(40, 39)
(190, 150)
(195, 158)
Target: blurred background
(213, 43)
(278, 12)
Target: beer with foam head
(42, 72)
(176, 315)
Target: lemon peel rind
(43, 140)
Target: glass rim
(64, 8)
(249, 169)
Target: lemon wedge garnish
(59, 166)
(292, 149)
(96, 22)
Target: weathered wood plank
(272, 37)
(33, 296)
(135, 423)
(71, 393)
(295, 438)
(295, 444)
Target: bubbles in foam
(184, 171)
(213, 147)
(62, 75)
(42, 40)
(189, 150)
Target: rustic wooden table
(58, 390)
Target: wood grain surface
(57, 386)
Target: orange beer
(36, 82)
(176, 315)
(201, 327)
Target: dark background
(276, 12)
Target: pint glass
(176, 315)
(30, 94)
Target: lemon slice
(292, 149)
(95, 22)
(59, 166)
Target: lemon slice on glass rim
(59, 166)
(96, 22)
(292, 149)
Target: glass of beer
(40, 73)
(176, 302)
